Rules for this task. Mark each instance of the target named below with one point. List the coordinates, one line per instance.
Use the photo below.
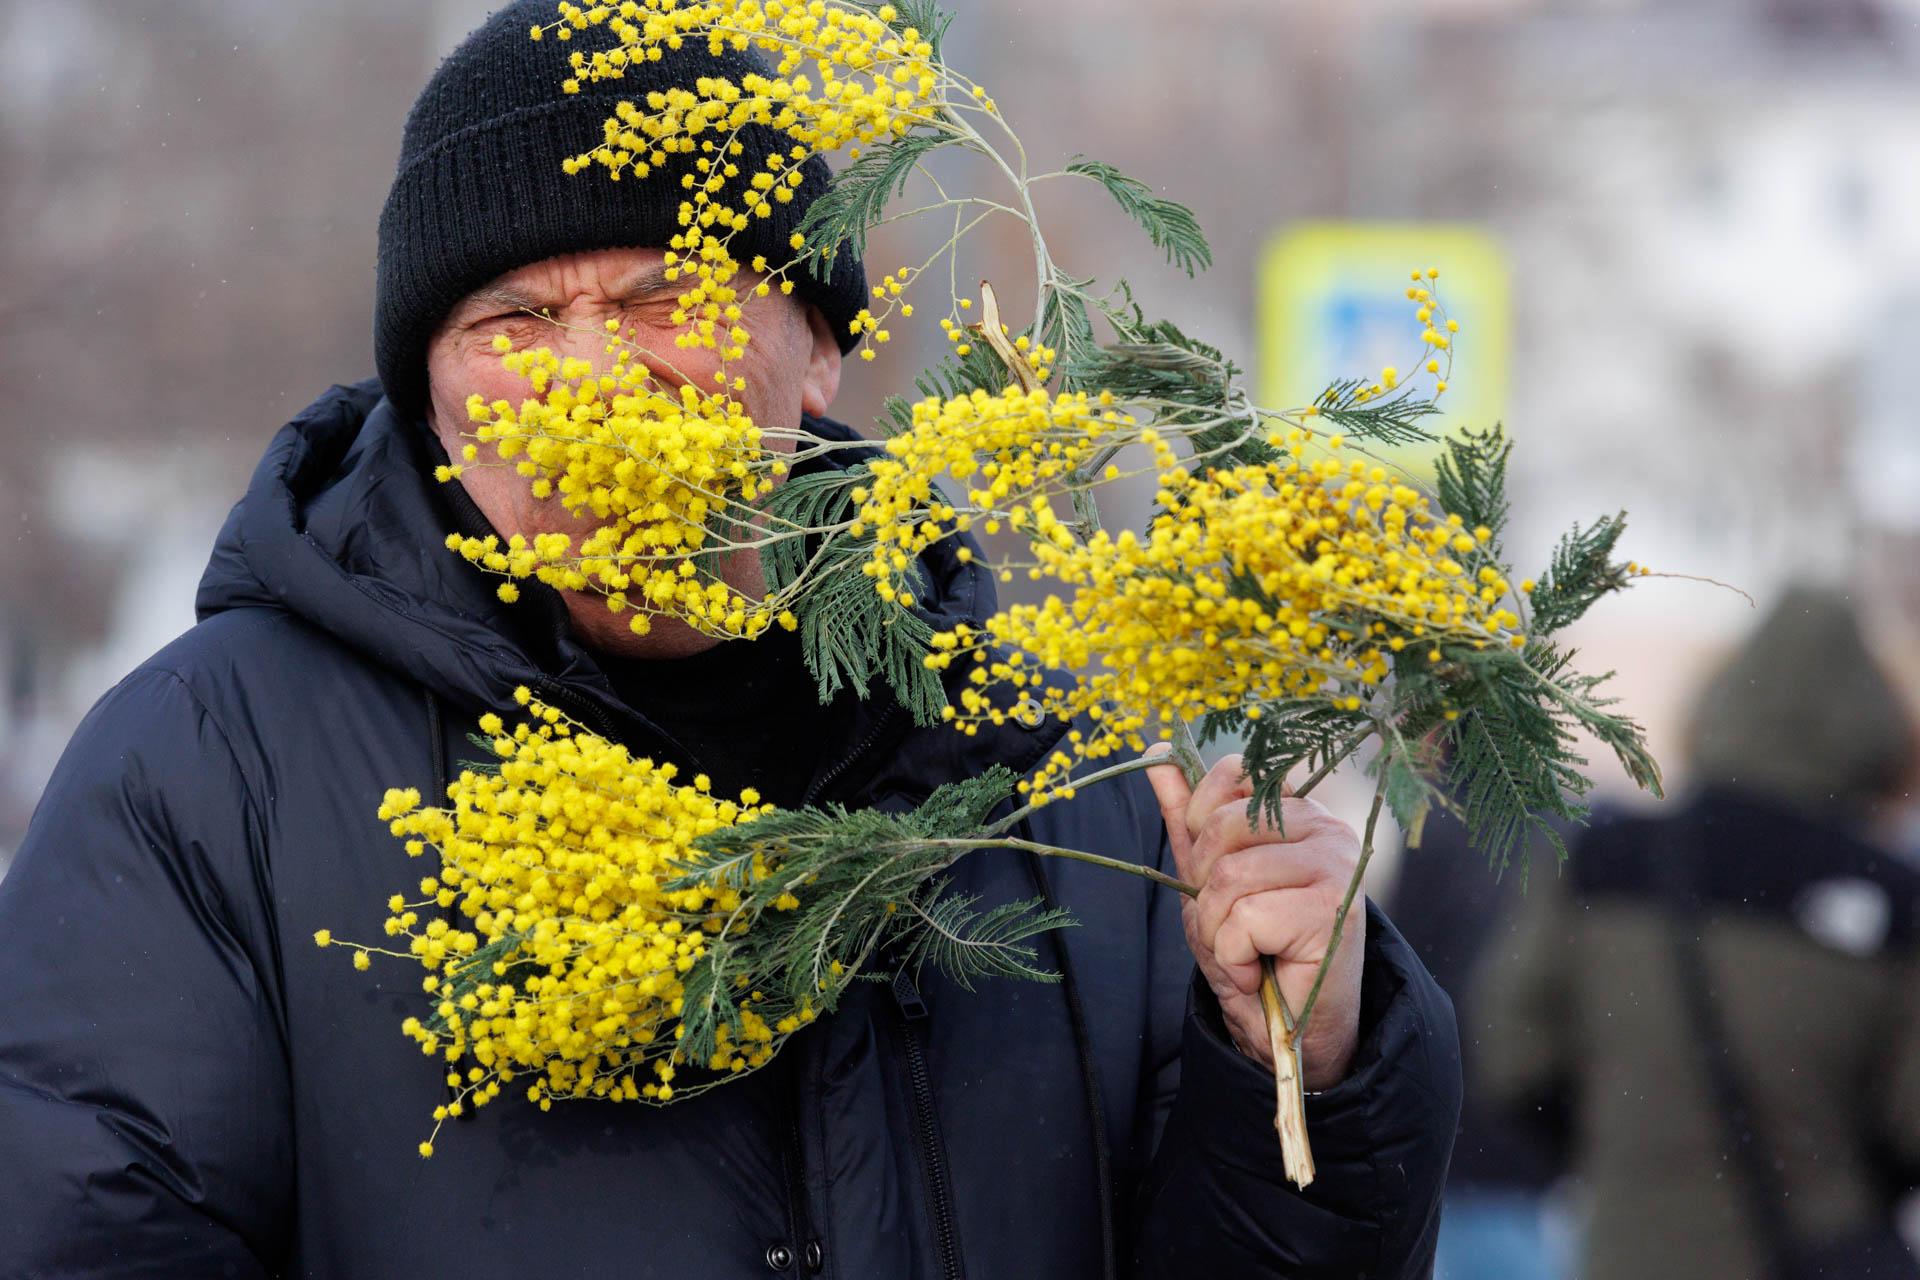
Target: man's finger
(1175, 796)
(1229, 827)
(1227, 830)
(1225, 781)
(1318, 865)
(1288, 924)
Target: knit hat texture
(479, 190)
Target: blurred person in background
(1500, 1220)
(1727, 993)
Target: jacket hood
(1804, 712)
(344, 526)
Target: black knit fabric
(479, 190)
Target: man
(189, 1087)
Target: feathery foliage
(851, 638)
(1471, 477)
(857, 198)
(1406, 768)
(1582, 570)
(868, 885)
(1394, 420)
(967, 944)
(1156, 361)
(1184, 382)
(1169, 224)
(1284, 737)
(1512, 753)
(1513, 764)
(1066, 325)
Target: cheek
(774, 373)
(455, 374)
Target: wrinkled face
(791, 366)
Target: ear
(822, 381)
(439, 355)
(442, 429)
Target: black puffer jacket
(189, 1087)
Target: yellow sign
(1333, 305)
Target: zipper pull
(913, 1006)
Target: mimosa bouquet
(598, 927)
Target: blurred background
(1686, 234)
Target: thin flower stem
(1077, 855)
(1042, 260)
(1111, 771)
(1334, 761)
(1186, 753)
(1346, 904)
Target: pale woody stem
(1283, 1030)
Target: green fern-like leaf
(1576, 695)
(1392, 420)
(1509, 775)
(963, 806)
(864, 882)
(851, 638)
(1066, 326)
(856, 199)
(1407, 784)
(1513, 759)
(1582, 571)
(1285, 736)
(967, 944)
(1170, 225)
(1471, 478)
(1158, 361)
(1187, 381)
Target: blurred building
(1709, 206)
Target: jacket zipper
(933, 1154)
(799, 1229)
(555, 694)
(880, 728)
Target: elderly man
(188, 1087)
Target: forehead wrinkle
(643, 282)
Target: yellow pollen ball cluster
(1011, 450)
(841, 77)
(1295, 580)
(869, 82)
(554, 943)
(1436, 345)
(649, 465)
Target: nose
(578, 335)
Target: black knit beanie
(480, 192)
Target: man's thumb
(1171, 790)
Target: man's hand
(1263, 892)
